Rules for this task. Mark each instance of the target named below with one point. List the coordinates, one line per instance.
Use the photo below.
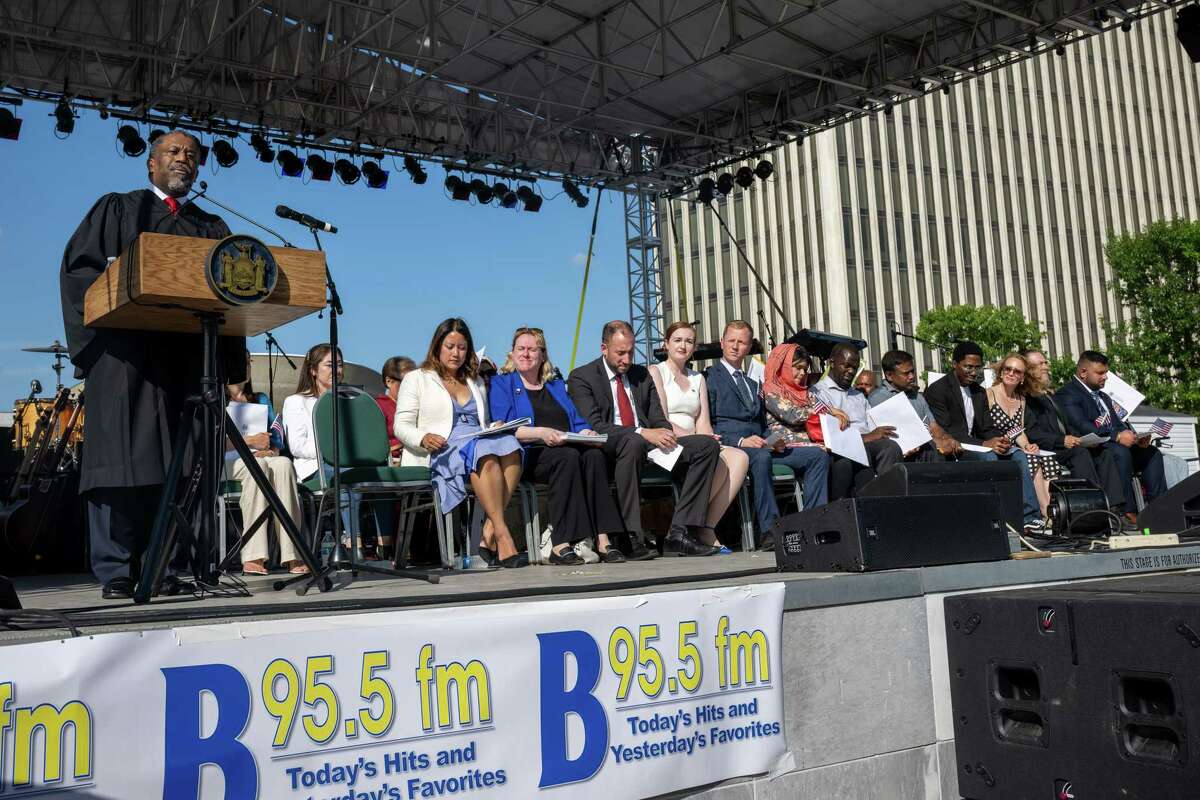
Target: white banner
(630, 696)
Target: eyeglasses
(1013, 370)
(971, 367)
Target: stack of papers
(1125, 396)
(898, 412)
(583, 438)
(507, 427)
(846, 443)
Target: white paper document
(583, 438)
(507, 427)
(1092, 440)
(666, 460)
(1125, 396)
(846, 443)
(897, 411)
(975, 448)
(249, 418)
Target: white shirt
(163, 196)
(852, 401)
(612, 387)
(968, 407)
(301, 437)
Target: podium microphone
(304, 219)
(201, 195)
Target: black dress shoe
(639, 552)
(567, 558)
(681, 543)
(118, 589)
(516, 560)
(612, 556)
(172, 585)
(767, 545)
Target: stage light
(707, 191)
(1187, 29)
(321, 169)
(724, 183)
(946, 88)
(10, 126)
(745, 177)
(203, 152)
(346, 171)
(505, 196)
(132, 144)
(577, 197)
(290, 164)
(887, 109)
(1127, 25)
(413, 168)
(530, 200)
(262, 149)
(482, 192)
(459, 189)
(1060, 50)
(154, 134)
(226, 155)
(64, 118)
(764, 170)
(376, 175)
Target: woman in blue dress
(439, 408)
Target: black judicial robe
(137, 381)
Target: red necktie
(172, 204)
(624, 407)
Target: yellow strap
(587, 268)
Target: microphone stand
(767, 325)
(273, 342)
(787, 326)
(338, 559)
(201, 195)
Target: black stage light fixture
(946, 88)
(131, 141)
(459, 189)
(764, 170)
(225, 152)
(290, 164)
(64, 118)
(1060, 50)
(1127, 25)
(1187, 29)
(530, 200)
(262, 148)
(577, 197)
(482, 192)
(414, 170)
(204, 150)
(505, 196)
(346, 171)
(707, 191)
(10, 126)
(320, 168)
(154, 134)
(745, 177)
(376, 175)
(887, 109)
(724, 183)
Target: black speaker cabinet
(1088, 691)
(1002, 478)
(871, 533)
(1175, 511)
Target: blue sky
(404, 259)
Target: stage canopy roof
(653, 91)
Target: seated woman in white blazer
(439, 406)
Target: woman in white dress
(684, 399)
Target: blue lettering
(558, 702)
(187, 751)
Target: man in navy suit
(1087, 409)
(736, 409)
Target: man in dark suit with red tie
(1087, 409)
(618, 398)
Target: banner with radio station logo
(630, 696)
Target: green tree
(996, 329)
(1062, 369)
(1157, 274)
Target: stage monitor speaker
(872, 533)
(1175, 511)
(8, 595)
(1002, 478)
(1085, 691)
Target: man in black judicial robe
(137, 381)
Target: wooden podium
(159, 284)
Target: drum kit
(27, 411)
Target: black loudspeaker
(1078, 507)
(8, 595)
(1002, 478)
(1085, 691)
(870, 533)
(1175, 511)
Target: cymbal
(56, 349)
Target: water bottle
(326, 546)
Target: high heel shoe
(488, 555)
(514, 561)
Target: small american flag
(1120, 409)
(1012, 433)
(1161, 428)
(820, 408)
(277, 429)
(1102, 420)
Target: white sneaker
(583, 549)
(546, 545)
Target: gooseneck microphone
(201, 195)
(304, 219)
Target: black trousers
(119, 523)
(580, 502)
(847, 476)
(626, 451)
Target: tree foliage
(1062, 369)
(1157, 274)
(996, 329)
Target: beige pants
(282, 476)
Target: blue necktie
(744, 386)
